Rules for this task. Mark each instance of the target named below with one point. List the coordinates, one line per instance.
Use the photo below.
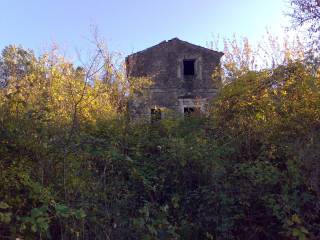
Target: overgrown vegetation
(73, 167)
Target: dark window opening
(155, 115)
(189, 111)
(188, 67)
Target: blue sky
(132, 25)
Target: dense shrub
(73, 166)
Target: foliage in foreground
(73, 167)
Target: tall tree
(15, 63)
(306, 13)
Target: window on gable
(188, 67)
(155, 115)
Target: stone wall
(172, 89)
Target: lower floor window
(188, 111)
(155, 114)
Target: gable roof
(177, 40)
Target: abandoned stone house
(181, 73)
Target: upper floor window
(189, 67)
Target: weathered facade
(182, 78)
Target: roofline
(204, 48)
(176, 39)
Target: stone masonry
(182, 78)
